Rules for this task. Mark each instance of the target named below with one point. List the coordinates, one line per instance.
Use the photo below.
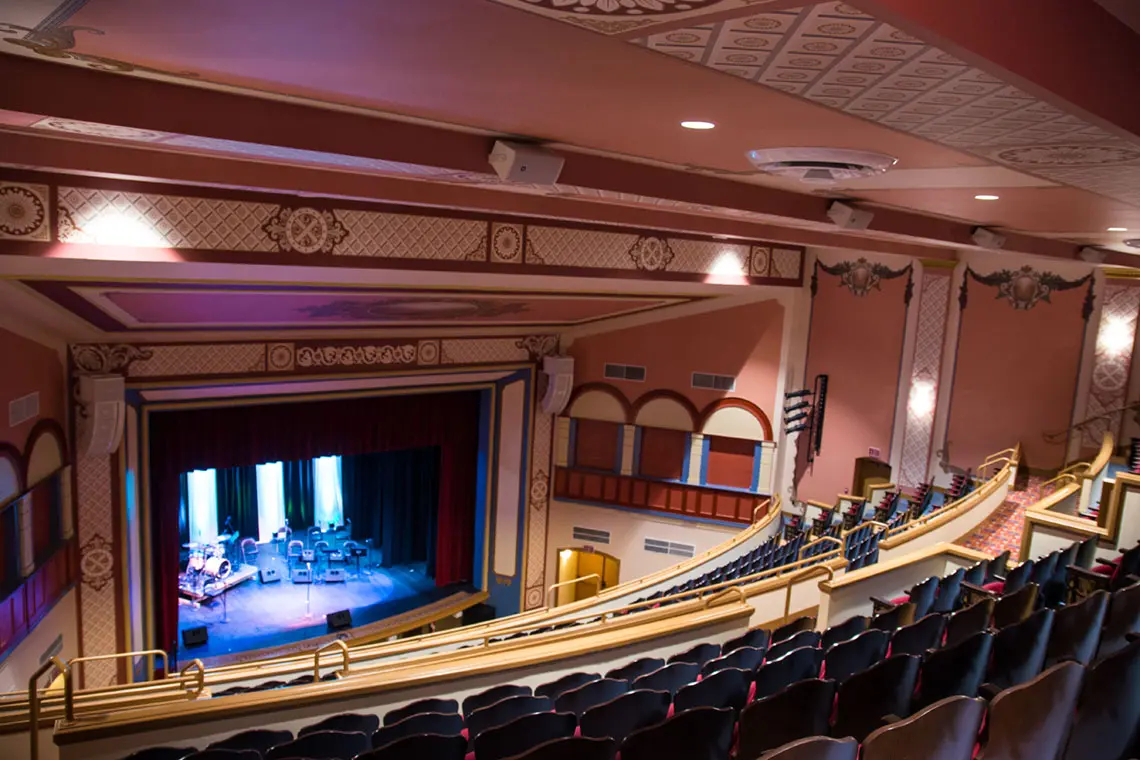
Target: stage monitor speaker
(559, 371)
(270, 575)
(308, 555)
(194, 637)
(335, 575)
(479, 613)
(104, 410)
(302, 575)
(338, 621)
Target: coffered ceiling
(414, 92)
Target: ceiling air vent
(657, 546)
(625, 372)
(23, 409)
(820, 166)
(590, 535)
(713, 382)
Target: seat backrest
(922, 596)
(794, 666)
(351, 722)
(1018, 577)
(848, 629)
(998, 565)
(322, 745)
(636, 669)
(867, 697)
(918, 637)
(947, 730)
(573, 748)
(1076, 630)
(260, 739)
(1032, 719)
(1107, 722)
(1015, 607)
(440, 724)
(1044, 568)
(225, 754)
(421, 747)
(745, 658)
(786, 631)
(493, 695)
(578, 701)
(1019, 650)
(432, 705)
(966, 622)
(620, 717)
(669, 678)
(816, 748)
(796, 641)
(725, 688)
(795, 712)
(946, 599)
(555, 689)
(896, 617)
(850, 657)
(976, 573)
(757, 638)
(700, 654)
(955, 671)
(504, 711)
(1123, 618)
(704, 733)
(162, 753)
(523, 734)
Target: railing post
(34, 701)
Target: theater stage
(256, 616)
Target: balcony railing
(679, 499)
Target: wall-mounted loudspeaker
(335, 575)
(848, 217)
(519, 162)
(102, 411)
(559, 371)
(302, 575)
(270, 575)
(338, 621)
(984, 238)
(194, 637)
(1091, 255)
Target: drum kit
(207, 563)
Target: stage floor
(256, 616)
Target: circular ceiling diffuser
(822, 166)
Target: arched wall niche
(735, 418)
(599, 401)
(11, 473)
(46, 452)
(665, 409)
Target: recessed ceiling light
(1118, 229)
(985, 197)
(697, 124)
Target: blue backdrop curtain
(297, 483)
(237, 499)
(184, 440)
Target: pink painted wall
(857, 342)
(1015, 376)
(29, 367)
(743, 341)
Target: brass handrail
(864, 524)
(34, 700)
(1003, 452)
(820, 540)
(121, 655)
(1063, 476)
(571, 582)
(196, 663)
(724, 593)
(763, 503)
(317, 658)
(801, 575)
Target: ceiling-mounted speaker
(1091, 255)
(559, 371)
(848, 217)
(519, 162)
(987, 238)
(102, 412)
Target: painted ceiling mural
(135, 306)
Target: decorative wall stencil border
(934, 304)
(538, 505)
(862, 276)
(356, 356)
(1112, 362)
(98, 624)
(58, 42)
(1026, 287)
(125, 214)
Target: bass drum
(218, 567)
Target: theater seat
(432, 705)
(523, 734)
(620, 717)
(421, 747)
(816, 748)
(440, 724)
(573, 748)
(795, 712)
(867, 697)
(947, 730)
(1031, 720)
(704, 733)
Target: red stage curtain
(247, 435)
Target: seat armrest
(988, 691)
(889, 719)
(880, 605)
(1087, 574)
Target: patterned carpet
(1002, 529)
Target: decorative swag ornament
(862, 276)
(1026, 287)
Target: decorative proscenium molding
(350, 356)
(1026, 287)
(107, 358)
(539, 346)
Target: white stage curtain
(326, 482)
(270, 500)
(202, 506)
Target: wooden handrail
(820, 540)
(763, 503)
(724, 594)
(571, 582)
(317, 658)
(805, 573)
(1063, 476)
(34, 702)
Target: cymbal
(193, 546)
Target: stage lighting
(795, 418)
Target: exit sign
(874, 452)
